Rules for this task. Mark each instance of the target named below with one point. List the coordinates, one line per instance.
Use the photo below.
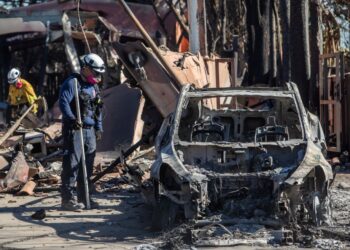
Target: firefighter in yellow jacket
(21, 92)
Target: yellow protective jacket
(23, 95)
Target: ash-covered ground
(124, 222)
(256, 236)
(253, 235)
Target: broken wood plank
(27, 189)
(17, 123)
(12, 141)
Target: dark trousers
(15, 111)
(72, 172)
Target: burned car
(247, 151)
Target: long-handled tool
(83, 160)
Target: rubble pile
(132, 175)
(188, 235)
(31, 159)
(224, 230)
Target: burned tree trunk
(315, 41)
(264, 42)
(225, 20)
(258, 25)
(213, 25)
(285, 29)
(279, 44)
(281, 37)
(276, 45)
(299, 44)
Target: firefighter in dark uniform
(90, 104)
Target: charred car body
(248, 151)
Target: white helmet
(13, 75)
(94, 62)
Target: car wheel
(164, 214)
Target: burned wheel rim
(316, 208)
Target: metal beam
(151, 43)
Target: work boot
(93, 203)
(72, 205)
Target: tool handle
(83, 160)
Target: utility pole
(198, 26)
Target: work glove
(98, 135)
(76, 125)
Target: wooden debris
(33, 171)
(12, 141)
(28, 188)
(3, 163)
(18, 173)
(16, 125)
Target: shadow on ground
(121, 217)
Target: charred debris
(235, 161)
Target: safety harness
(87, 103)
